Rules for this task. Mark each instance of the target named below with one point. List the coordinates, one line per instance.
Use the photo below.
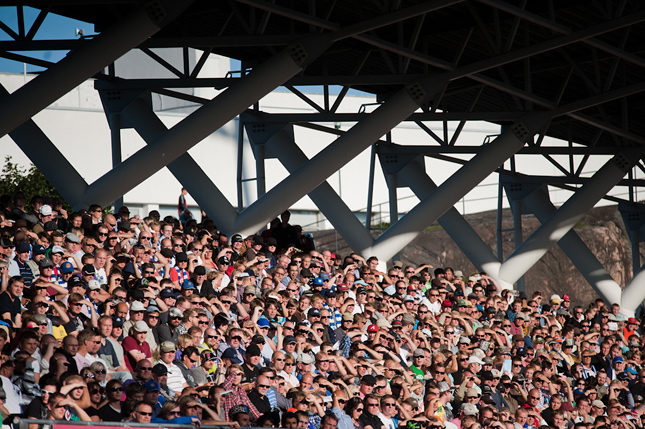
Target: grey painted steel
(455, 187)
(184, 168)
(330, 159)
(582, 258)
(80, 65)
(208, 118)
(324, 196)
(453, 222)
(561, 222)
(517, 235)
(47, 158)
(115, 135)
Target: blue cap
(314, 312)
(151, 386)
(631, 370)
(231, 354)
(39, 250)
(617, 359)
(188, 285)
(66, 267)
(263, 322)
(250, 272)
(152, 308)
(324, 276)
(167, 293)
(319, 281)
(117, 322)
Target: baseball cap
(72, 238)
(305, 358)
(45, 263)
(117, 322)
(289, 339)
(372, 328)
(160, 369)
(137, 306)
(140, 326)
(313, 312)
(263, 322)
(224, 261)
(181, 257)
(237, 409)
(188, 285)
(57, 249)
(89, 269)
(93, 285)
(152, 386)
(166, 346)
(237, 238)
(45, 210)
(231, 354)
(40, 250)
(369, 379)
(23, 247)
(253, 350)
(175, 312)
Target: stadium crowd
(117, 318)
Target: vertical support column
(517, 234)
(459, 184)
(561, 222)
(115, 135)
(240, 163)
(259, 170)
(370, 190)
(393, 198)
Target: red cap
(632, 320)
(342, 287)
(566, 297)
(411, 288)
(447, 303)
(372, 328)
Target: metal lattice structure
(568, 69)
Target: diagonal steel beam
(208, 118)
(563, 29)
(454, 188)
(281, 145)
(469, 242)
(47, 158)
(185, 169)
(85, 62)
(561, 222)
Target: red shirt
(129, 343)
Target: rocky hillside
(602, 230)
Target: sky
(53, 27)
